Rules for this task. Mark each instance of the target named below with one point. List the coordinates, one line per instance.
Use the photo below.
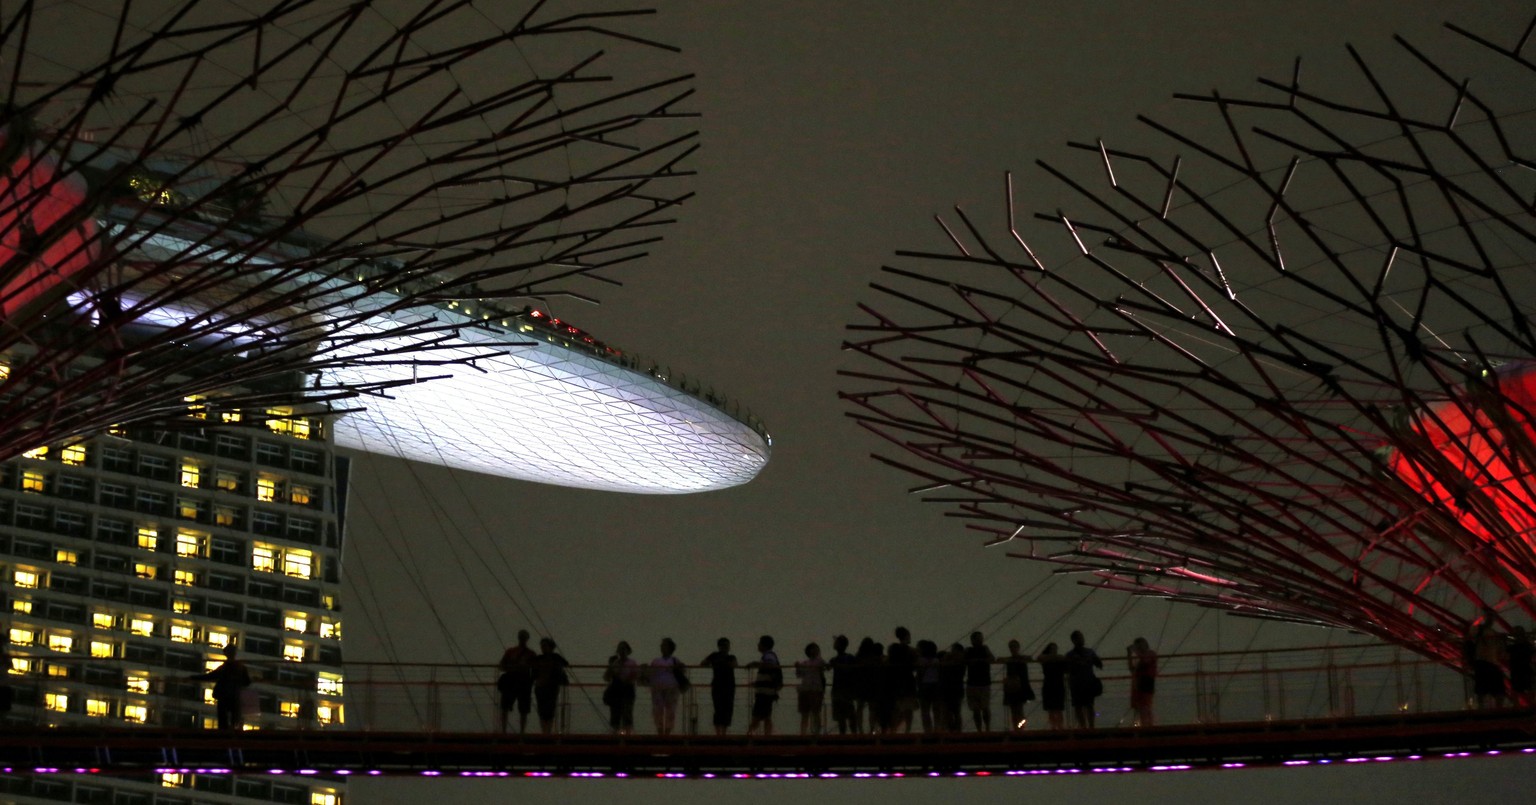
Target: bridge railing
(1277, 685)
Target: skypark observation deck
(540, 400)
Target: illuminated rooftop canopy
(541, 400)
(552, 409)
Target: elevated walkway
(342, 753)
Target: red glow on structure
(1480, 469)
(34, 200)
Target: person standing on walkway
(1082, 682)
(765, 686)
(1142, 661)
(230, 679)
(1053, 686)
(1521, 671)
(1016, 688)
(549, 677)
(1486, 654)
(620, 693)
(722, 684)
(810, 689)
(869, 688)
(516, 681)
(901, 671)
(978, 682)
(843, 682)
(665, 676)
(929, 701)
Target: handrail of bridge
(1193, 688)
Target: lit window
(190, 544)
(328, 601)
(64, 557)
(218, 639)
(142, 626)
(21, 606)
(22, 637)
(5, 369)
(189, 509)
(173, 780)
(137, 713)
(224, 516)
(102, 649)
(137, 683)
(328, 684)
(227, 480)
(96, 708)
(326, 714)
(26, 579)
(191, 475)
(195, 408)
(36, 452)
(73, 455)
(299, 563)
(103, 620)
(149, 537)
(61, 642)
(278, 422)
(55, 669)
(181, 633)
(330, 630)
(266, 489)
(181, 606)
(295, 622)
(31, 481)
(186, 578)
(293, 652)
(58, 702)
(145, 570)
(21, 665)
(324, 798)
(263, 558)
(208, 696)
(288, 709)
(300, 494)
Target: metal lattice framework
(1284, 374)
(211, 203)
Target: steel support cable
(480, 522)
(412, 569)
(1047, 579)
(381, 625)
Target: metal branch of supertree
(204, 202)
(1285, 370)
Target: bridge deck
(342, 753)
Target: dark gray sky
(832, 132)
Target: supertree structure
(214, 206)
(1285, 371)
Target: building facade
(133, 560)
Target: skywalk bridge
(1292, 707)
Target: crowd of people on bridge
(874, 688)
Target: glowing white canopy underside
(548, 413)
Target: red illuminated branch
(1285, 375)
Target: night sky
(832, 132)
